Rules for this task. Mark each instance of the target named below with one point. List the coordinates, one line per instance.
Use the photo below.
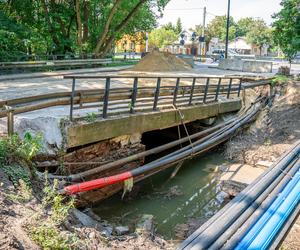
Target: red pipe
(98, 183)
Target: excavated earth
(157, 61)
(273, 133)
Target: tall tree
(82, 25)
(158, 38)
(287, 28)
(244, 25)
(178, 27)
(217, 28)
(259, 34)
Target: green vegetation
(46, 229)
(158, 38)
(287, 28)
(256, 31)
(91, 117)
(279, 80)
(15, 153)
(13, 149)
(79, 26)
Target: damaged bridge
(101, 129)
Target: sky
(191, 11)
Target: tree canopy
(158, 38)
(287, 28)
(75, 26)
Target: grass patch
(16, 155)
(279, 80)
(46, 231)
(91, 117)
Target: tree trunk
(50, 25)
(79, 24)
(107, 40)
(86, 10)
(102, 39)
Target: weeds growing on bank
(46, 231)
(16, 155)
(91, 117)
(279, 80)
(45, 228)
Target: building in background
(131, 43)
(241, 46)
(189, 47)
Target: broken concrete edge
(87, 218)
(86, 133)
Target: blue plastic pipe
(266, 228)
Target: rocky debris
(182, 231)
(88, 221)
(173, 192)
(145, 225)
(275, 129)
(157, 61)
(237, 176)
(232, 188)
(121, 230)
(265, 164)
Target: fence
(195, 90)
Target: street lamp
(227, 29)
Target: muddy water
(192, 194)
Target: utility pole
(203, 32)
(147, 42)
(227, 29)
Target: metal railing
(195, 90)
(180, 92)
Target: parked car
(218, 54)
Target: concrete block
(257, 66)
(252, 66)
(121, 230)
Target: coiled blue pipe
(266, 228)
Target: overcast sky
(191, 11)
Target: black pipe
(246, 220)
(222, 220)
(179, 156)
(131, 158)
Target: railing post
(176, 91)
(10, 120)
(134, 94)
(192, 90)
(206, 90)
(72, 99)
(218, 89)
(156, 95)
(240, 86)
(229, 88)
(106, 96)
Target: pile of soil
(157, 61)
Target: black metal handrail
(203, 89)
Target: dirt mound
(157, 61)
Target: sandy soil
(273, 133)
